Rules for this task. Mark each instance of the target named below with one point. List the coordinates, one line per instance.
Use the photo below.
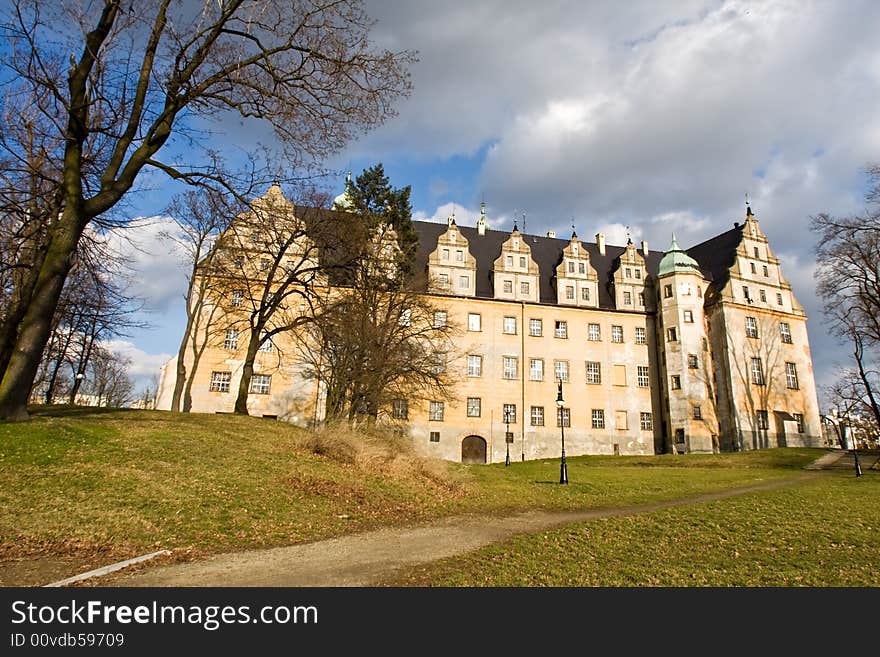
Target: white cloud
(144, 366)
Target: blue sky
(656, 116)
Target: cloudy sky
(659, 116)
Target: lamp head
(559, 400)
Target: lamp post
(838, 421)
(507, 437)
(563, 469)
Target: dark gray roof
(546, 252)
(716, 256)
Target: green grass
(79, 481)
(823, 533)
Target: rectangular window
(676, 382)
(594, 332)
(598, 417)
(474, 322)
(264, 264)
(667, 291)
(260, 384)
(510, 261)
(435, 412)
(509, 413)
(537, 416)
(536, 328)
(799, 418)
(473, 406)
(511, 367)
(594, 372)
(459, 255)
(638, 273)
(524, 288)
(620, 421)
(693, 362)
(563, 417)
(522, 262)
(220, 381)
(571, 266)
(766, 271)
(474, 365)
(237, 298)
(746, 295)
(446, 254)
(757, 370)
(646, 421)
(509, 326)
(785, 332)
(754, 269)
(779, 298)
(616, 334)
(266, 344)
(620, 375)
(536, 369)
(582, 268)
(640, 335)
(791, 378)
(443, 280)
(400, 409)
(585, 294)
(698, 413)
(438, 360)
(763, 294)
(689, 316)
(628, 272)
(671, 334)
(231, 340)
(560, 370)
(763, 420)
(464, 282)
(440, 317)
(751, 327)
(641, 298)
(569, 292)
(435, 437)
(627, 299)
(643, 379)
(561, 329)
(508, 287)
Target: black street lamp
(563, 469)
(508, 438)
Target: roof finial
(674, 245)
(748, 207)
(628, 237)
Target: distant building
(696, 350)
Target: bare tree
(200, 216)
(108, 379)
(848, 280)
(304, 67)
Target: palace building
(694, 350)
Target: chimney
(644, 247)
(551, 233)
(600, 242)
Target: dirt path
(370, 557)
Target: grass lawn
(823, 533)
(84, 487)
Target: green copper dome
(343, 201)
(677, 260)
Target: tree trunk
(247, 373)
(36, 325)
(180, 381)
(864, 377)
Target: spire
(481, 222)
(677, 260)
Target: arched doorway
(473, 450)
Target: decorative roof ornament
(344, 201)
(481, 222)
(677, 260)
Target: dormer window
(582, 268)
(629, 272)
(510, 261)
(446, 254)
(638, 273)
(757, 253)
(522, 262)
(459, 255)
(570, 267)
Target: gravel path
(370, 557)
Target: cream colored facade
(655, 351)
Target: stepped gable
(546, 252)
